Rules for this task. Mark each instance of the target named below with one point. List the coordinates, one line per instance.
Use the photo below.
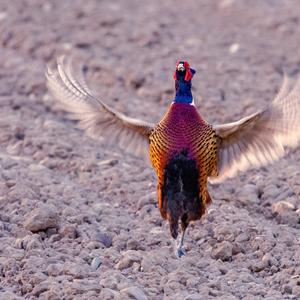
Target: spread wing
(262, 137)
(94, 116)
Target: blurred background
(103, 200)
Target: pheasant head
(183, 82)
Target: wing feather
(94, 116)
(262, 137)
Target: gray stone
(194, 297)
(134, 293)
(147, 199)
(8, 295)
(29, 242)
(271, 191)
(96, 262)
(41, 218)
(134, 245)
(69, 231)
(40, 288)
(248, 194)
(222, 251)
(281, 207)
(104, 238)
(124, 263)
(54, 269)
(107, 294)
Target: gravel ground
(78, 218)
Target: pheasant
(185, 150)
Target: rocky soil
(78, 218)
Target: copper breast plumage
(183, 129)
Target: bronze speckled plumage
(185, 150)
(183, 129)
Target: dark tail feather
(174, 227)
(180, 192)
(174, 211)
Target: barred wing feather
(261, 138)
(94, 116)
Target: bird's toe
(179, 252)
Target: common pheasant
(185, 150)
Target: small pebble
(69, 231)
(248, 194)
(96, 263)
(234, 48)
(108, 162)
(222, 251)
(282, 206)
(134, 293)
(41, 218)
(124, 263)
(104, 238)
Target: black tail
(181, 192)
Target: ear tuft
(188, 75)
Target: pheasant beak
(180, 67)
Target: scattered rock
(54, 238)
(237, 248)
(108, 162)
(290, 218)
(112, 279)
(51, 231)
(224, 232)
(107, 293)
(248, 194)
(286, 212)
(271, 191)
(124, 263)
(222, 251)
(134, 293)
(29, 242)
(194, 297)
(136, 80)
(104, 238)
(132, 255)
(96, 262)
(282, 207)
(147, 199)
(40, 288)
(7, 295)
(69, 231)
(268, 260)
(225, 4)
(50, 295)
(93, 245)
(287, 289)
(296, 291)
(55, 269)
(234, 48)
(41, 218)
(258, 266)
(134, 245)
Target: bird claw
(179, 252)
